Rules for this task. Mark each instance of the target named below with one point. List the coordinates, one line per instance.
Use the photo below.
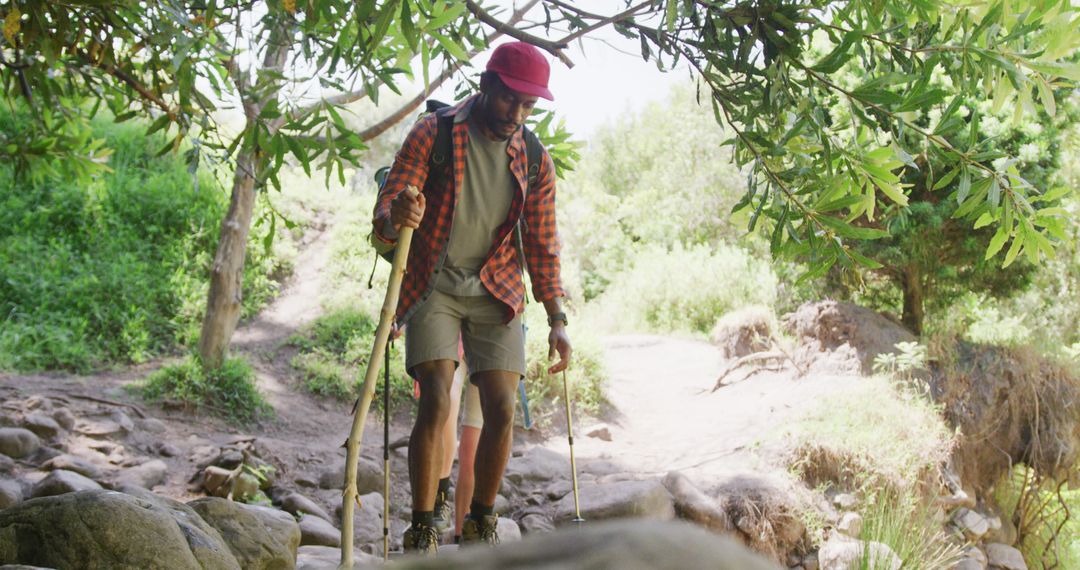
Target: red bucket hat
(522, 68)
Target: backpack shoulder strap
(534, 154)
(443, 148)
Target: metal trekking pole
(570, 437)
(350, 497)
(386, 456)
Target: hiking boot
(421, 539)
(443, 513)
(483, 531)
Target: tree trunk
(227, 274)
(913, 301)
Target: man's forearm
(553, 306)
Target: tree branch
(130, 81)
(554, 48)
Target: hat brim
(525, 87)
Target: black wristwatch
(560, 316)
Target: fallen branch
(137, 409)
(775, 351)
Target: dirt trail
(666, 419)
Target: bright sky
(609, 78)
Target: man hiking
(478, 202)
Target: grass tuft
(229, 391)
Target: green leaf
(453, 11)
(945, 180)
(996, 242)
(862, 259)
(984, 220)
(843, 229)
(451, 46)
(1069, 70)
(840, 54)
(1014, 249)
(1046, 95)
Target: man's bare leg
(498, 396)
(425, 443)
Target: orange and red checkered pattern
(501, 273)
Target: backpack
(438, 166)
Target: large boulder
(146, 475)
(18, 442)
(73, 463)
(42, 425)
(369, 477)
(298, 504)
(1005, 557)
(537, 464)
(318, 532)
(61, 481)
(260, 538)
(367, 519)
(108, 529)
(694, 505)
(841, 338)
(621, 499)
(626, 545)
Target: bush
(685, 289)
(886, 441)
(586, 375)
(113, 271)
(334, 352)
(1045, 515)
(228, 391)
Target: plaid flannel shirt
(501, 272)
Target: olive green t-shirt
(482, 206)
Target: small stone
(36, 402)
(60, 481)
(203, 454)
(306, 480)
(42, 425)
(298, 504)
(508, 530)
(73, 463)
(10, 493)
(969, 564)
(64, 417)
(810, 561)
(1005, 557)
(123, 420)
(845, 501)
(599, 431)
(318, 532)
(166, 449)
(536, 523)
(502, 504)
(850, 524)
(18, 442)
(99, 428)
(973, 524)
(147, 475)
(974, 553)
(7, 464)
(558, 490)
(152, 425)
(843, 553)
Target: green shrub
(116, 270)
(228, 391)
(1046, 515)
(906, 522)
(586, 376)
(334, 352)
(684, 288)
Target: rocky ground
(668, 446)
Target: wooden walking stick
(350, 497)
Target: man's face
(507, 110)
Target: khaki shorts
(433, 331)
